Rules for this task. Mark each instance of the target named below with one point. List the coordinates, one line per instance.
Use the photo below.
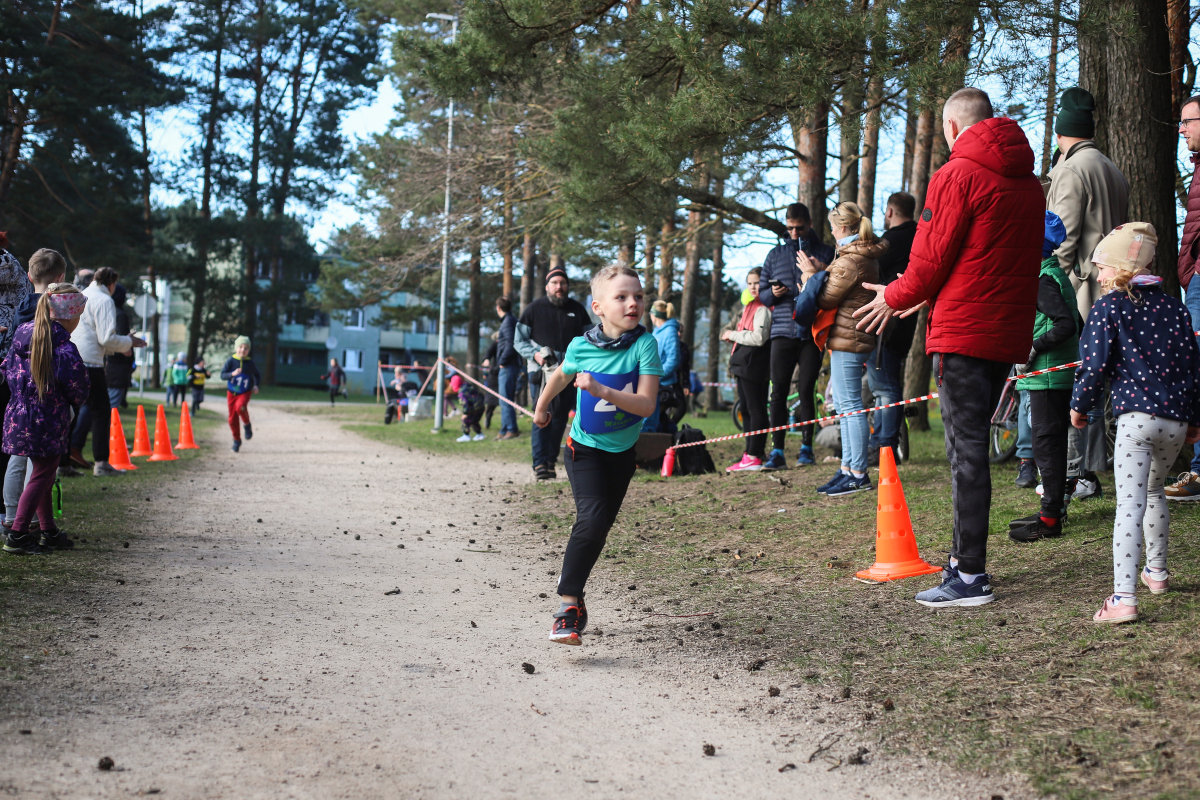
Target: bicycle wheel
(902, 452)
(739, 417)
(1002, 440)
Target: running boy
(243, 380)
(198, 375)
(616, 370)
(1139, 338)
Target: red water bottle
(668, 467)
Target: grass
(102, 515)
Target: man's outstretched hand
(875, 314)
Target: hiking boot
(249, 432)
(1156, 585)
(954, 592)
(1033, 529)
(544, 472)
(806, 458)
(1026, 474)
(1088, 487)
(1186, 489)
(55, 540)
(68, 472)
(748, 463)
(1115, 612)
(775, 461)
(23, 544)
(837, 478)
(851, 485)
(103, 469)
(566, 628)
(873, 457)
(78, 460)
(237, 445)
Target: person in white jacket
(97, 337)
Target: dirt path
(253, 652)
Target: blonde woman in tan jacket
(843, 293)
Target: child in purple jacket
(47, 377)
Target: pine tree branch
(744, 212)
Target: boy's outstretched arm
(554, 385)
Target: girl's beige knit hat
(1128, 248)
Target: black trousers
(333, 392)
(786, 354)
(95, 414)
(599, 480)
(1050, 410)
(968, 390)
(753, 395)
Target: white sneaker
(463, 438)
(102, 469)
(479, 437)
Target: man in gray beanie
(1091, 197)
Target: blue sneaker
(837, 478)
(775, 461)
(953, 592)
(805, 459)
(851, 485)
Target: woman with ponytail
(667, 335)
(843, 294)
(47, 377)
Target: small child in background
(197, 376)
(471, 401)
(453, 384)
(242, 380)
(1139, 339)
(47, 377)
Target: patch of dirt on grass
(1027, 684)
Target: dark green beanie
(1075, 114)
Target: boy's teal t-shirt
(598, 423)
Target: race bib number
(597, 416)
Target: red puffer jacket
(1191, 229)
(978, 249)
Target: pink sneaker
(1156, 587)
(748, 464)
(1115, 612)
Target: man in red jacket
(975, 261)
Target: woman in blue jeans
(849, 348)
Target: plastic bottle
(56, 498)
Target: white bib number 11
(603, 405)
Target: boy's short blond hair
(45, 265)
(611, 272)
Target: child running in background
(242, 379)
(47, 377)
(616, 370)
(1140, 339)
(471, 400)
(198, 375)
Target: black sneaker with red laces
(567, 627)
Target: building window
(352, 360)
(354, 319)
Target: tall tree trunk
(922, 152)
(691, 273)
(506, 240)
(870, 145)
(474, 306)
(666, 264)
(911, 112)
(252, 234)
(627, 251)
(918, 370)
(148, 232)
(528, 269)
(850, 137)
(810, 137)
(716, 292)
(1183, 71)
(1093, 62)
(648, 285)
(1051, 93)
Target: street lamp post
(440, 401)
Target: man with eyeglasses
(1091, 197)
(792, 345)
(1187, 489)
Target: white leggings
(1146, 447)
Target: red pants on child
(238, 413)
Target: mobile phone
(780, 284)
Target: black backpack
(692, 460)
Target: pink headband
(66, 305)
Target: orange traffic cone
(162, 438)
(141, 437)
(186, 442)
(118, 454)
(896, 553)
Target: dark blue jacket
(506, 354)
(1147, 351)
(240, 384)
(781, 266)
(28, 308)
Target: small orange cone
(186, 442)
(896, 553)
(118, 453)
(141, 437)
(162, 438)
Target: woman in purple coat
(47, 377)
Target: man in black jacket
(791, 344)
(885, 368)
(508, 362)
(546, 327)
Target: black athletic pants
(598, 481)
(333, 392)
(785, 355)
(968, 390)
(1050, 410)
(94, 415)
(754, 402)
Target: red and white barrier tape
(721, 385)
(1072, 365)
(499, 396)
